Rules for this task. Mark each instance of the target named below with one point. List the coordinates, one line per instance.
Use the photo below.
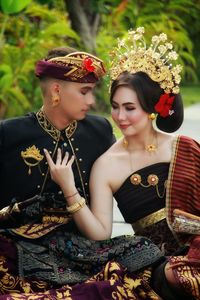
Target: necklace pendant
(151, 148)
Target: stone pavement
(191, 128)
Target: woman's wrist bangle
(76, 206)
(67, 197)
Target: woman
(152, 174)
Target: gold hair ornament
(132, 55)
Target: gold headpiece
(77, 66)
(82, 63)
(132, 55)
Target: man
(67, 85)
(31, 204)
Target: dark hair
(148, 93)
(60, 51)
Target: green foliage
(13, 6)
(27, 38)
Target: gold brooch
(135, 179)
(31, 157)
(152, 180)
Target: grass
(190, 95)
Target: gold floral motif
(151, 148)
(152, 179)
(135, 179)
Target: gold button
(77, 149)
(54, 142)
(80, 159)
(72, 139)
(65, 144)
(38, 186)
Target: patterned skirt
(61, 259)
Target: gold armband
(76, 206)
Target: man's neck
(55, 118)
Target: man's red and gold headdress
(77, 66)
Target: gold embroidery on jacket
(53, 131)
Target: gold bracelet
(76, 206)
(67, 197)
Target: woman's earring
(152, 116)
(55, 100)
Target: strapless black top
(143, 192)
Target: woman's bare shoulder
(110, 154)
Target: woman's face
(127, 112)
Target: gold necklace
(149, 147)
(153, 147)
(152, 179)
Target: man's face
(75, 99)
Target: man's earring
(55, 100)
(152, 116)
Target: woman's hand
(61, 171)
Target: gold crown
(132, 55)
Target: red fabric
(183, 190)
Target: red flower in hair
(88, 64)
(164, 105)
